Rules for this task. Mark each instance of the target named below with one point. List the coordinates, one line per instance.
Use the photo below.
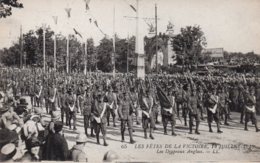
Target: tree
(6, 7)
(188, 45)
(104, 52)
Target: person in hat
(111, 99)
(30, 131)
(77, 151)
(223, 99)
(38, 93)
(71, 107)
(134, 97)
(192, 105)
(125, 111)
(9, 117)
(146, 103)
(250, 110)
(87, 105)
(99, 112)
(56, 146)
(52, 99)
(211, 103)
(21, 107)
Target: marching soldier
(52, 98)
(223, 99)
(99, 111)
(194, 113)
(134, 97)
(211, 104)
(111, 99)
(147, 113)
(86, 106)
(169, 115)
(125, 115)
(250, 111)
(71, 107)
(38, 93)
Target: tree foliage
(6, 7)
(188, 45)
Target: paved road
(233, 144)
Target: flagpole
(156, 38)
(55, 44)
(44, 68)
(86, 57)
(67, 57)
(114, 44)
(127, 54)
(21, 46)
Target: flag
(133, 8)
(68, 10)
(87, 4)
(164, 100)
(90, 20)
(55, 18)
(96, 23)
(77, 33)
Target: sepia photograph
(129, 81)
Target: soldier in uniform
(134, 98)
(169, 115)
(194, 113)
(125, 111)
(111, 99)
(185, 96)
(211, 103)
(223, 99)
(71, 107)
(86, 106)
(147, 113)
(38, 93)
(52, 100)
(99, 111)
(250, 110)
(80, 94)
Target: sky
(230, 24)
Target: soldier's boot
(105, 140)
(97, 135)
(114, 121)
(190, 127)
(226, 118)
(151, 133)
(165, 130)
(92, 132)
(246, 129)
(173, 131)
(185, 120)
(256, 127)
(210, 128)
(241, 118)
(123, 135)
(218, 127)
(131, 136)
(197, 128)
(108, 121)
(145, 134)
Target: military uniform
(250, 111)
(86, 106)
(194, 112)
(110, 98)
(210, 103)
(100, 125)
(147, 114)
(71, 107)
(125, 116)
